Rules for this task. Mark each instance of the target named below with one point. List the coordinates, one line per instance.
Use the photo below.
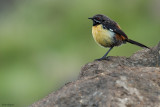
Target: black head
(98, 19)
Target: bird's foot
(103, 58)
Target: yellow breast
(102, 36)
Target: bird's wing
(114, 27)
(120, 33)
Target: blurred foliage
(44, 43)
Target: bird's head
(98, 19)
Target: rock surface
(119, 82)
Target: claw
(103, 58)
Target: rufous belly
(102, 36)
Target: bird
(107, 33)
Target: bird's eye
(98, 18)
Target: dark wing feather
(113, 26)
(119, 32)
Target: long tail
(137, 43)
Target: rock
(119, 82)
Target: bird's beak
(90, 18)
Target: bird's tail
(137, 43)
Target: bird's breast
(103, 36)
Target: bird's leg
(104, 57)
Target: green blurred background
(44, 43)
